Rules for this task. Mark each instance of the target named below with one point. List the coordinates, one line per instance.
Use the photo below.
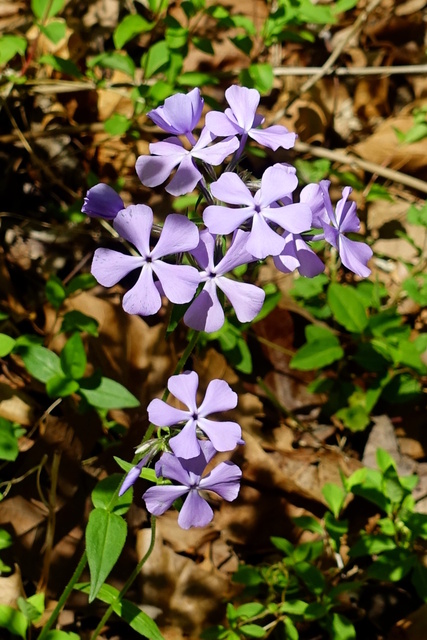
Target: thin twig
(409, 69)
(347, 158)
(51, 522)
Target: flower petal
(179, 281)
(102, 201)
(172, 468)
(216, 153)
(180, 113)
(184, 387)
(246, 299)
(186, 444)
(154, 170)
(163, 415)
(160, 498)
(178, 234)
(263, 241)
(277, 182)
(244, 103)
(195, 512)
(109, 267)
(143, 299)
(220, 125)
(185, 179)
(295, 218)
(205, 313)
(274, 137)
(134, 224)
(231, 189)
(204, 252)
(355, 255)
(225, 436)
(219, 396)
(224, 480)
(225, 220)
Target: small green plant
(305, 586)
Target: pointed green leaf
(131, 26)
(60, 386)
(105, 539)
(73, 357)
(43, 9)
(347, 308)
(13, 620)
(6, 344)
(109, 394)
(42, 363)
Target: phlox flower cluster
(194, 265)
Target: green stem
(135, 573)
(64, 596)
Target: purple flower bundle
(193, 265)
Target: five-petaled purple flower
(205, 312)
(154, 169)
(242, 119)
(278, 182)
(224, 480)
(219, 397)
(178, 282)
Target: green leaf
(105, 495)
(129, 612)
(117, 125)
(9, 449)
(252, 631)
(157, 56)
(114, 60)
(32, 607)
(129, 27)
(11, 45)
(354, 418)
(311, 576)
(109, 394)
(83, 282)
(43, 9)
(78, 321)
(54, 31)
(73, 357)
(6, 344)
(392, 565)
(13, 620)
(317, 354)
(347, 308)
(244, 43)
(258, 76)
(105, 539)
(6, 540)
(249, 576)
(40, 362)
(283, 545)
(290, 630)
(60, 386)
(419, 580)
(417, 216)
(55, 291)
(368, 545)
(384, 460)
(293, 607)
(249, 610)
(340, 628)
(63, 65)
(196, 79)
(204, 44)
(334, 496)
(308, 523)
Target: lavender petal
(224, 480)
(160, 498)
(246, 299)
(195, 512)
(101, 201)
(109, 267)
(143, 299)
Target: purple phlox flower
(278, 182)
(224, 480)
(154, 169)
(354, 255)
(133, 474)
(180, 113)
(219, 397)
(178, 282)
(205, 312)
(101, 201)
(242, 119)
(296, 254)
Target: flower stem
(62, 600)
(128, 582)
